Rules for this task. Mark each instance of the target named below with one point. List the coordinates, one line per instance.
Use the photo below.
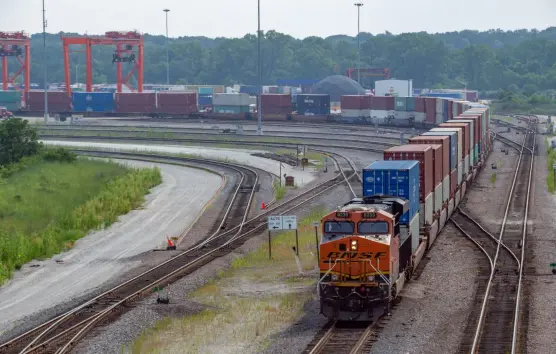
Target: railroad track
(508, 142)
(63, 332)
(497, 326)
(343, 337)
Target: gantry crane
(125, 43)
(18, 45)
(384, 72)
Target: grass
(47, 206)
(246, 304)
(279, 190)
(493, 178)
(550, 160)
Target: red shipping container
(477, 126)
(185, 99)
(444, 141)
(276, 100)
(430, 108)
(421, 153)
(420, 104)
(268, 109)
(177, 109)
(460, 108)
(383, 103)
(465, 126)
(140, 99)
(355, 102)
(450, 109)
(453, 182)
(53, 97)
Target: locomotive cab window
(339, 227)
(372, 227)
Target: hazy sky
(299, 18)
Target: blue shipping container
(249, 89)
(205, 100)
(458, 95)
(453, 146)
(205, 90)
(397, 178)
(92, 101)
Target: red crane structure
(11, 44)
(125, 43)
(385, 72)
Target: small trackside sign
(275, 223)
(289, 222)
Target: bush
(59, 154)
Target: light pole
(259, 110)
(44, 63)
(167, 51)
(359, 4)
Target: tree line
(486, 61)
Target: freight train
(398, 111)
(371, 246)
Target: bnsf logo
(332, 256)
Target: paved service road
(103, 255)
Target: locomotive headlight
(334, 277)
(371, 278)
(354, 245)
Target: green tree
(17, 140)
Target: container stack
(404, 107)
(277, 104)
(11, 100)
(424, 155)
(401, 179)
(312, 105)
(454, 142)
(356, 106)
(439, 111)
(176, 103)
(430, 109)
(135, 102)
(58, 101)
(205, 97)
(381, 106)
(92, 101)
(466, 145)
(420, 109)
(230, 103)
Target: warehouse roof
(336, 86)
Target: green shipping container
(404, 104)
(11, 106)
(230, 109)
(10, 96)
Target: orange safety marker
(171, 245)
(263, 206)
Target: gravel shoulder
(97, 258)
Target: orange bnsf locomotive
(365, 258)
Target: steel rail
(466, 234)
(217, 232)
(524, 237)
(484, 306)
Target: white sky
(299, 18)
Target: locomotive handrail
(379, 272)
(325, 274)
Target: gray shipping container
(230, 99)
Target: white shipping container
(420, 117)
(459, 132)
(466, 165)
(438, 198)
(439, 106)
(400, 88)
(460, 172)
(355, 113)
(455, 109)
(414, 229)
(403, 116)
(231, 99)
(379, 114)
(439, 118)
(471, 128)
(446, 188)
(426, 210)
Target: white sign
(554, 166)
(274, 223)
(315, 224)
(289, 222)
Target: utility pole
(259, 106)
(44, 63)
(167, 51)
(359, 4)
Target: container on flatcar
(396, 178)
(58, 101)
(383, 103)
(135, 102)
(179, 103)
(473, 158)
(430, 109)
(231, 99)
(312, 104)
(453, 145)
(466, 142)
(92, 101)
(460, 157)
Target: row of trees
(485, 60)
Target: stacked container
(439, 118)
(176, 103)
(420, 109)
(92, 101)
(424, 155)
(404, 107)
(476, 117)
(453, 158)
(58, 101)
(396, 178)
(230, 103)
(11, 100)
(467, 142)
(430, 109)
(460, 153)
(355, 106)
(442, 168)
(135, 102)
(473, 160)
(204, 96)
(311, 105)
(383, 103)
(445, 109)
(277, 103)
